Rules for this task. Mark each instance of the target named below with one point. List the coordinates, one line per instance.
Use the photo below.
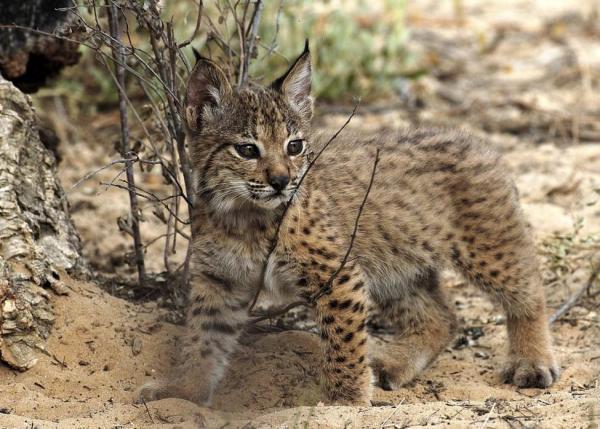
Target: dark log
(38, 244)
(29, 57)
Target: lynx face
(250, 146)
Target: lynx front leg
(215, 319)
(342, 317)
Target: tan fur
(439, 199)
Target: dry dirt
(525, 74)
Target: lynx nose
(279, 182)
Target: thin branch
(289, 203)
(573, 299)
(251, 36)
(277, 24)
(147, 196)
(91, 174)
(196, 29)
(120, 71)
(147, 410)
(326, 287)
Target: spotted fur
(440, 199)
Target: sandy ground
(531, 92)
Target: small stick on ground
(387, 419)
(487, 417)
(573, 299)
(147, 409)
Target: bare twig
(289, 203)
(487, 417)
(91, 174)
(125, 150)
(147, 409)
(196, 29)
(573, 299)
(277, 24)
(250, 36)
(326, 287)
(148, 196)
(387, 419)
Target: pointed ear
(206, 87)
(295, 84)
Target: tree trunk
(38, 243)
(28, 58)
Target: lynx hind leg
(495, 251)
(409, 331)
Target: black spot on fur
(343, 279)
(328, 319)
(345, 304)
(222, 327)
(358, 285)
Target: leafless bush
(139, 50)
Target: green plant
(359, 48)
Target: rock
(136, 346)
(37, 239)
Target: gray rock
(37, 239)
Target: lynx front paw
(156, 390)
(352, 389)
(524, 372)
(392, 376)
(351, 397)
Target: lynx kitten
(439, 199)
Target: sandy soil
(530, 93)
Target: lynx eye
(295, 147)
(248, 151)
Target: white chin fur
(224, 205)
(271, 203)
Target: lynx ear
(295, 84)
(206, 87)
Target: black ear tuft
(197, 54)
(306, 47)
(296, 83)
